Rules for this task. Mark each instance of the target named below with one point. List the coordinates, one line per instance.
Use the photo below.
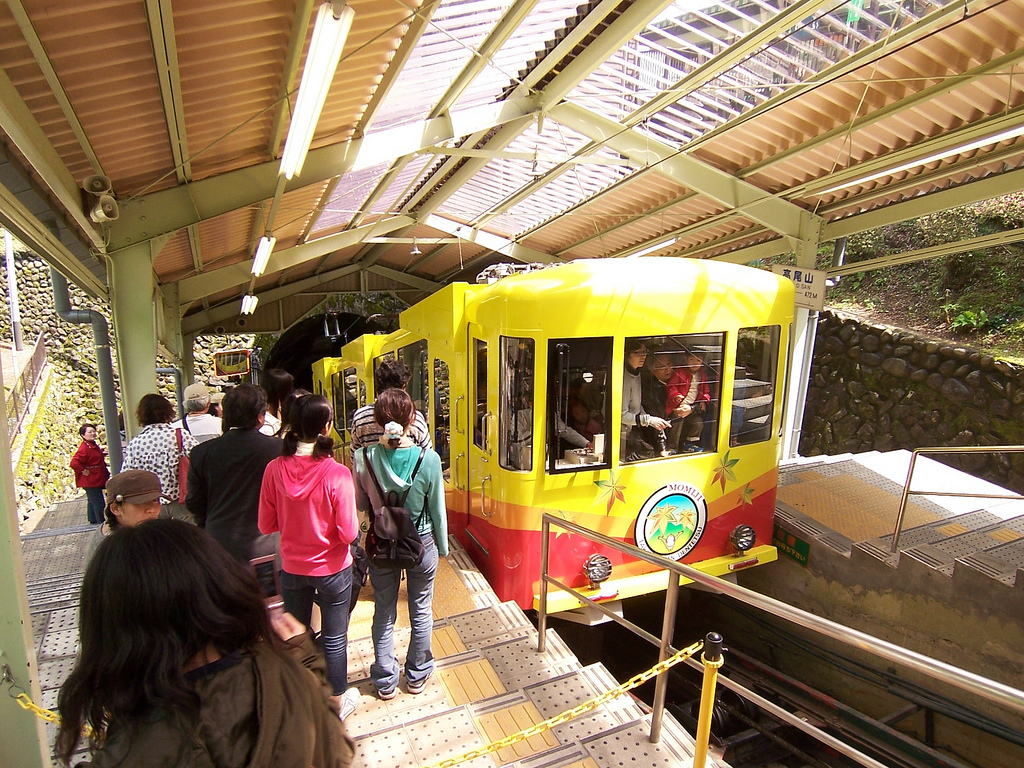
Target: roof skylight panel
(455, 30)
(347, 198)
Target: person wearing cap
(198, 419)
(133, 497)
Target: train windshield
(515, 389)
(671, 395)
(576, 414)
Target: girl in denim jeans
(394, 459)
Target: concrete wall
(875, 388)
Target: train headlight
(597, 568)
(742, 537)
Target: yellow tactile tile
(1004, 535)
(953, 529)
(497, 725)
(474, 681)
(588, 763)
(446, 642)
(852, 507)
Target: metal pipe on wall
(104, 366)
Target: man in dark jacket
(224, 477)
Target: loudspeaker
(96, 185)
(105, 209)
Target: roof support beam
(203, 320)
(920, 254)
(167, 211)
(198, 286)
(489, 241)
(779, 215)
(165, 50)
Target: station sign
(809, 284)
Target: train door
(480, 452)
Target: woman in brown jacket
(180, 664)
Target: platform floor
(490, 681)
(853, 500)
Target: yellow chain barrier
(25, 702)
(575, 712)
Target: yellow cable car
(641, 398)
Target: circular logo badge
(672, 520)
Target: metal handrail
(16, 406)
(947, 673)
(894, 546)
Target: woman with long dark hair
(309, 498)
(181, 665)
(277, 383)
(398, 465)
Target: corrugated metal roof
(816, 108)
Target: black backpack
(392, 540)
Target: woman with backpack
(309, 498)
(397, 472)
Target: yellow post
(712, 659)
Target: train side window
(362, 393)
(576, 416)
(671, 393)
(442, 413)
(343, 386)
(515, 404)
(415, 358)
(480, 388)
(753, 403)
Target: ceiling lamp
(415, 249)
(249, 302)
(259, 261)
(333, 22)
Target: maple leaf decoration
(612, 491)
(747, 496)
(560, 532)
(724, 471)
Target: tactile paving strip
(490, 624)
(447, 735)
(630, 745)
(61, 643)
(553, 697)
(513, 717)
(518, 664)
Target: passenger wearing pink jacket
(309, 497)
(687, 398)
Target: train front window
(671, 389)
(753, 403)
(442, 413)
(515, 404)
(575, 417)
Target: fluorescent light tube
(259, 262)
(325, 48)
(249, 302)
(653, 248)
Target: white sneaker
(349, 702)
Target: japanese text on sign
(809, 284)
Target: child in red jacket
(91, 473)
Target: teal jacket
(393, 466)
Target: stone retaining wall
(875, 388)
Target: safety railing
(976, 684)
(21, 393)
(894, 546)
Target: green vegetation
(975, 297)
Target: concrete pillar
(188, 357)
(132, 303)
(24, 736)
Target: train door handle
(487, 431)
(483, 498)
(456, 462)
(457, 411)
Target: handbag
(183, 465)
(392, 540)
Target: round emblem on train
(672, 521)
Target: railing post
(668, 624)
(542, 610)
(712, 658)
(894, 547)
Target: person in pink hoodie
(310, 498)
